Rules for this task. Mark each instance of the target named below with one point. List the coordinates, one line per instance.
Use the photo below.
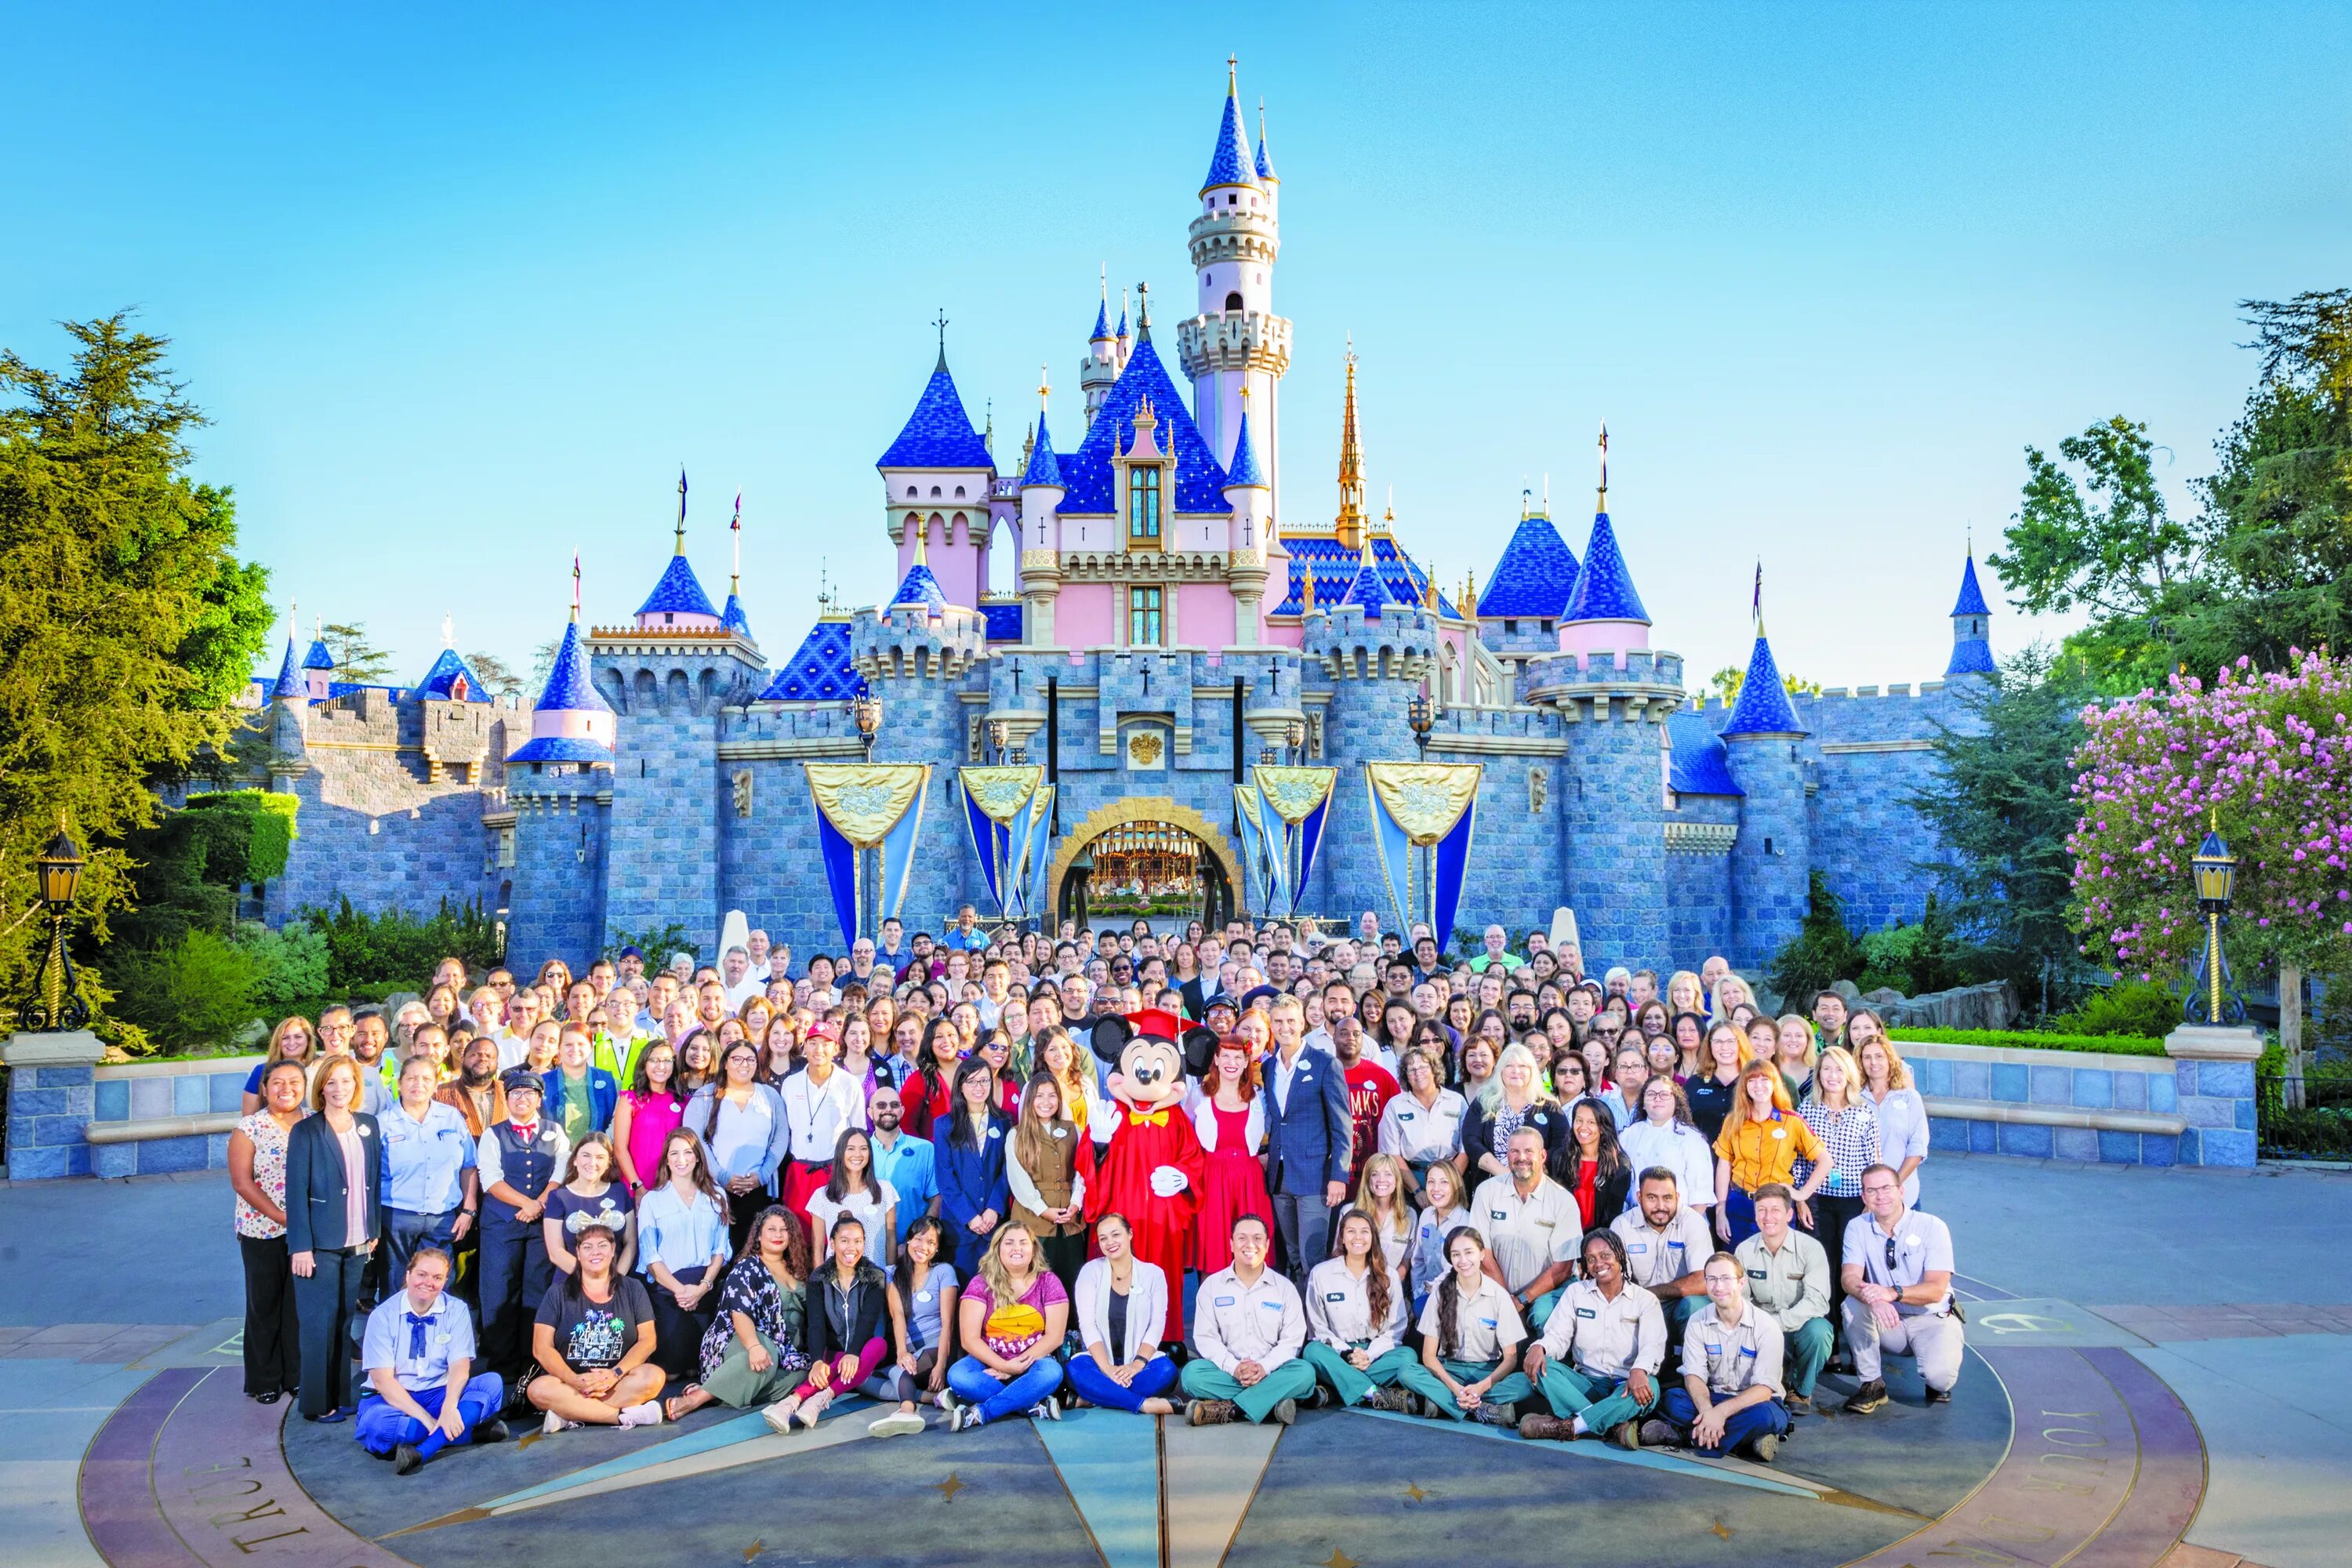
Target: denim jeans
(994, 1397)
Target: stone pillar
(51, 1099)
(2214, 1070)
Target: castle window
(1233, 301)
(910, 492)
(668, 619)
(934, 490)
(1143, 617)
(959, 492)
(1510, 627)
(1233, 201)
(1547, 626)
(1143, 503)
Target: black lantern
(57, 1002)
(1422, 714)
(2213, 1000)
(867, 710)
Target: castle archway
(1144, 857)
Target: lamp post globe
(867, 710)
(57, 1002)
(2214, 871)
(1420, 714)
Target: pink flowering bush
(2270, 754)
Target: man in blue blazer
(580, 1096)
(1308, 1127)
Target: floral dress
(750, 1289)
(269, 1174)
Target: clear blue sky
(462, 286)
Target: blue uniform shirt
(423, 1162)
(392, 1341)
(910, 1165)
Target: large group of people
(1493, 1189)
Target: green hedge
(2022, 1039)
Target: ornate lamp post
(1294, 736)
(57, 1002)
(867, 710)
(1422, 714)
(2215, 871)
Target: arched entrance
(1144, 856)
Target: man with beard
(901, 1163)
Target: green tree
(2003, 805)
(1823, 952)
(498, 680)
(1725, 684)
(128, 626)
(357, 659)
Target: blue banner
(1451, 859)
(840, 857)
(1309, 837)
(898, 856)
(1395, 845)
(989, 843)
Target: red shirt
(1370, 1087)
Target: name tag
(1540, 1120)
(1759, 1274)
(1404, 1116)
(1271, 1306)
(996, 1132)
(1748, 1349)
(1910, 1241)
(1496, 1214)
(1586, 1312)
(1780, 1133)
(1547, 1225)
(1490, 1322)
(1061, 1132)
(362, 1129)
(1225, 1300)
(1637, 1246)
(1335, 1295)
(922, 1295)
(1715, 1350)
(1677, 1245)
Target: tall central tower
(1236, 340)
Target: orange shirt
(1762, 1151)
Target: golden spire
(1306, 589)
(1350, 524)
(1429, 587)
(922, 537)
(1470, 596)
(1388, 518)
(1233, 75)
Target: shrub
(396, 946)
(288, 965)
(2034, 1040)
(196, 996)
(656, 942)
(2127, 1007)
(1823, 950)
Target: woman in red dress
(926, 1093)
(1231, 1122)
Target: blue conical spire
(733, 618)
(1604, 588)
(1368, 591)
(1972, 600)
(318, 658)
(1245, 470)
(291, 683)
(1102, 323)
(1044, 470)
(1763, 707)
(568, 687)
(1230, 164)
(938, 434)
(1264, 158)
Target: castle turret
(1375, 663)
(1527, 595)
(1040, 560)
(1603, 611)
(1266, 178)
(1971, 626)
(677, 603)
(732, 618)
(936, 481)
(560, 788)
(1098, 372)
(1772, 856)
(319, 667)
(1251, 544)
(1236, 340)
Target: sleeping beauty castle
(1216, 690)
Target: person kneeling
(1731, 1393)
(1251, 1327)
(418, 1353)
(1122, 1308)
(591, 1341)
(1355, 1311)
(1471, 1331)
(1012, 1319)
(1597, 1363)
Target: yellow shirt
(1762, 1151)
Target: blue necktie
(416, 1335)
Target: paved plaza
(2159, 1371)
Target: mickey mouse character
(1152, 1170)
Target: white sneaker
(963, 1418)
(897, 1424)
(1046, 1409)
(779, 1418)
(554, 1424)
(648, 1413)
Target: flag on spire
(1756, 599)
(681, 509)
(575, 587)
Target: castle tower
(1098, 372)
(1971, 626)
(1375, 651)
(936, 481)
(1236, 340)
(1251, 545)
(1527, 593)
(560, 788)
(1769, 860)
(319, 667)
(1041, 492)
(1604, 612)
(1349, 525)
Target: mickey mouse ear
(1110, 1036)
(1200, 1050)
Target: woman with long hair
(1712, 1088)
(1661, 1135)
(1445, 1204)
(1795, 1049)
(929, 1095)
(1731, 992)
(1470, 1335)
(752, 1353)
(1230, 1120)
(1477, 1082)
(1842, 1118)
(1381, 1197)
(780, 1048)
(1082, 1103)
(682, 1249)
(698, 1061)
(1042, 1172)
(1356, 1320)
(852, 1187)
(1486, 1129)
(589, 1188)
(1013, 1317)
(1571, 1081)
(1902, 1114)
(740, 1121)
(967, 1145)
(257, 1174)
(927, 1286)
(856, 1340)
(334, 1220)
(592, 1344)
(1762, 1141)
(1122, 1310)
(1685, 992)
(1592, 1164)
(293, 1040)
(650, 1110)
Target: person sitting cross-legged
(1730, 1393)
(1470, 1338)
(1356, 1315)
(1250, 1328)
(422, 1392)
(592, 1340)
(1597, 1363)
(1122, 1308)
(1013, 1314)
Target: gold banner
(1293, 793)
(1001, 792)
(1426, 798)
(865, 800)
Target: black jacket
(863, 1307)
(317, 1200)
